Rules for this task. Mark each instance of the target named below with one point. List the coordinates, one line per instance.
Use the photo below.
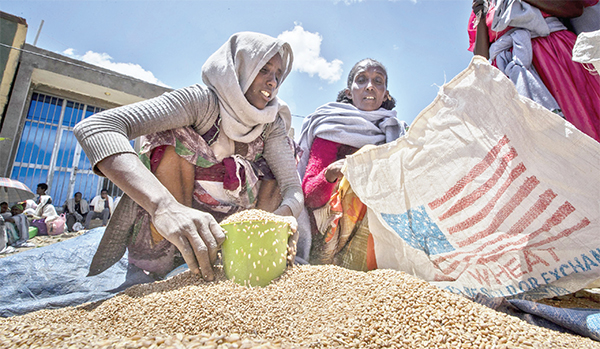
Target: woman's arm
(482, 39)
(105, 139)
(316, 186)
(560, 8)
(280, 158)
(108, 132)
(196, 234)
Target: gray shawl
(344, 123)
(230, 71)
(22, 225)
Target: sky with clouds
(423, 43)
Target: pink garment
(317, 190)
(575, 88)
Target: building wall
(41, 72)
(13, 31)
(50, 72)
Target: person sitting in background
(5, 247)
(4, 211)
(76, 210)
(29, 206)
(17, 227)
(102, 207)
(44, 214)
(533, 48)
(40, 191)
(361, 115)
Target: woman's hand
(333, 172)
(196, 234)
(293, 240)
(480, 5)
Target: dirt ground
(587, 298)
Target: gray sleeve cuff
(96, 149)
(279, 154)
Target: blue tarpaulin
(54, 276)
(584, 322)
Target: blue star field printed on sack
(419, 231)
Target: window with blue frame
(49, 153)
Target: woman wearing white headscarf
(204, 155)
(44, 213)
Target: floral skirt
(147, 249)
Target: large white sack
(488, 192)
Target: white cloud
(307, 54)
(104, 60)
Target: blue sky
(423, 43)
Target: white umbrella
(14, 191)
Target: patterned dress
(239, 176)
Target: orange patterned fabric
(343, 238)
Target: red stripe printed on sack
(524, 190)
(566, 232)
(582, 224)
(473, 173)
(494, 198)
(558, 217)
(561, 213)
(540, 206)
(468, 200)
(479, 216)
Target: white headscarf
(45, 209)
(230, 71)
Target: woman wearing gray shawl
(204, 155)
(361, 116)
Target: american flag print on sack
(504, 193)
(536, 211)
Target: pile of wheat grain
(309, 306)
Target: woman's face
(368, 90)
(262, 89)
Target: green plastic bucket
(33, 231)
(255, 252)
